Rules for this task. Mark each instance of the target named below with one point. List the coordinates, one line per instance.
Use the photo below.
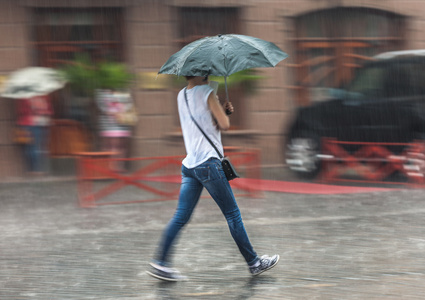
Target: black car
(385, 102)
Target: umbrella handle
(225, 85)
(228, 112)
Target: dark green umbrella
(223, 55)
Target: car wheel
(302, 150)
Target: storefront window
(332, 43)
(60, 33)
(59, 36)
(197, 22)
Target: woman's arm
(218, 111)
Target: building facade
(326, 41)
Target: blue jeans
(34, 152)
(211, 176)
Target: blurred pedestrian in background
(117, 115)
(33, 119)
(202, 169)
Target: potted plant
(113, 76)
(85, 79)
(85, 76)
(81, 76)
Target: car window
(406, 80)
(397, 81)
(367, 83)
(416, 79)
(393, 80)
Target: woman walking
(202, 168)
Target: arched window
(59, 33)
(331, 43)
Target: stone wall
(13, 55)
(150, 38)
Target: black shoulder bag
(228, 168)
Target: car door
(359, 111)
(392, 115)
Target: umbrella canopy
(223, 55)
(32, 81)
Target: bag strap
(197, 125)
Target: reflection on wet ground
(361, 246)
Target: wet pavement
(361, 246)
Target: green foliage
(81, 75)
(85, 76)
(246, 78)
(112, 75)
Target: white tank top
(198, 148)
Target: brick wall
(150, 31)
(13, 55)
(150, 34)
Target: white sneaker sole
(181, 278)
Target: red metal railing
(159, 177)
(372, 162)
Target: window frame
(342, 54)
(51, 52)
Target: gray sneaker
(164, 273)
(265, 263)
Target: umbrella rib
(261, 54)
(249, 43)
(190, 52)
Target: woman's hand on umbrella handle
(228, 107)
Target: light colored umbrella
(32, 81)
(223, 55)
